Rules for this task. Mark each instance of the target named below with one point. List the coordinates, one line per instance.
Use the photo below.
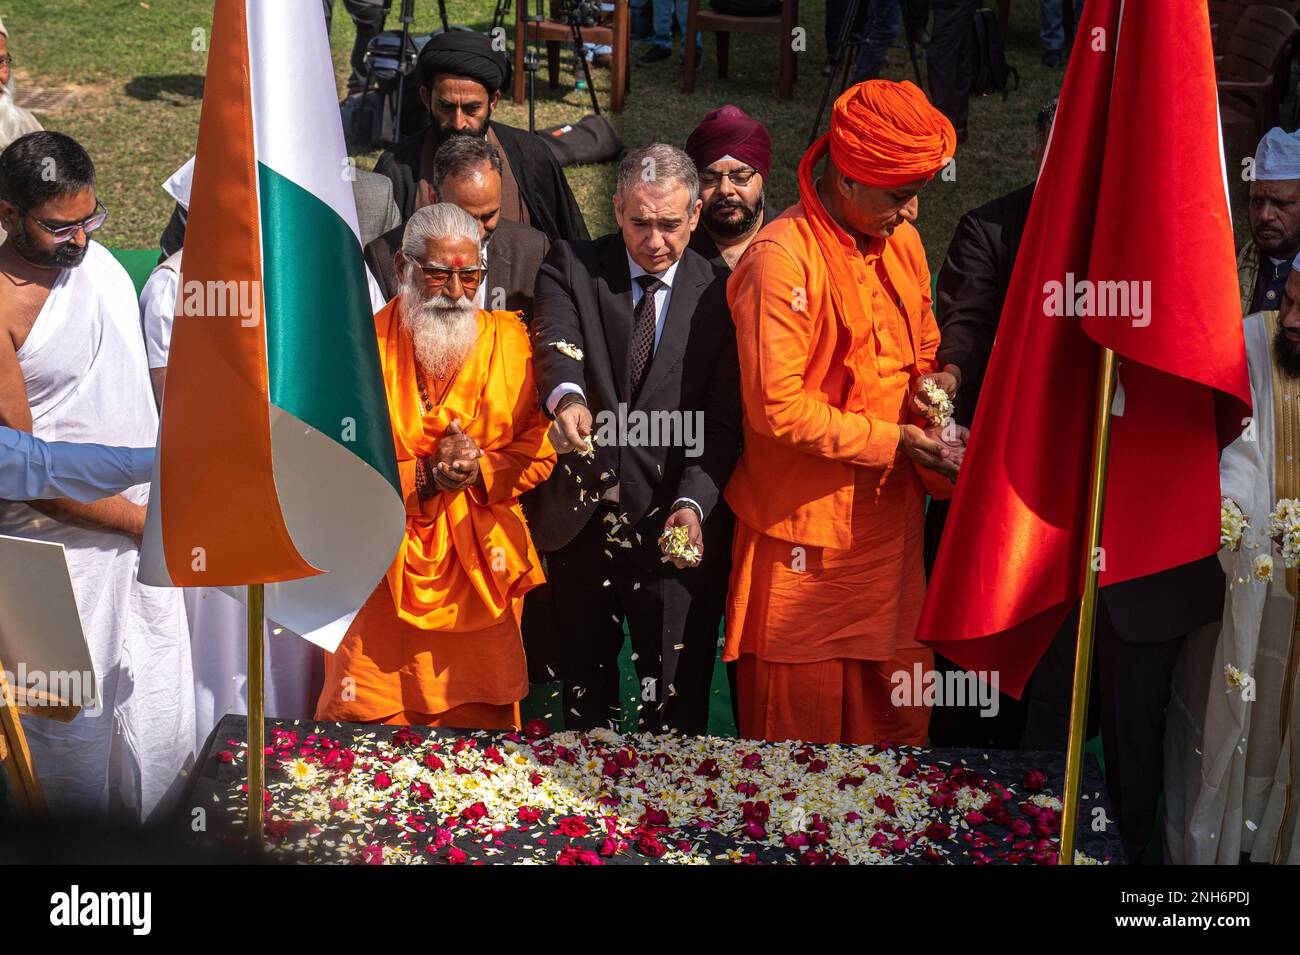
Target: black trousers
(368, 15)
(672, 615)
(1129, 692)
(969, 725)
(916, 14)
(948, 59)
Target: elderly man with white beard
(14, 120)
(438, 643)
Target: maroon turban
(730, 131)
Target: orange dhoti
(438, 641)
(821, 633)
(389, 671)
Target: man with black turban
(460, 80)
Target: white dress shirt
(663, 295)
(31, 469)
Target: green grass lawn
(139, 82)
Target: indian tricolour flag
(275, 461)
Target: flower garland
(940, 405)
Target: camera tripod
(532, 58)
(849, 43)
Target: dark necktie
(643, 333)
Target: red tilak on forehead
(460, 261)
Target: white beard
(14, 120)
(443, 334)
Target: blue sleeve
(31, 469)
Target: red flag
(1130, 216)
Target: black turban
(463, 53)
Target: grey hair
(461, 155)
(662, 164)
(442, 220)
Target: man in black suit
(635, 358)
(467, 173)
(460, 79)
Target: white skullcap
(3, 30)
(1278, 156)
(178, 185)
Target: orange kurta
(827, 560)
(441, 631)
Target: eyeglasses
(739, 177)
(436, 276)
(64, 233)
(7, 59)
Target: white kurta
(1226, 759)
(84, 368)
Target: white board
(42, 645)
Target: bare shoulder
(21, 301)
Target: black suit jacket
(542, 185)
(584, 297)
(514, 256)
(972, 289)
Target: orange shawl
(467, 555)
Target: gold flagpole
(256, 718)
(1087, 610)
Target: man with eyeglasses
(835, 335)
(14, 120)
(73, 368)
(438, 642)
(733, 153)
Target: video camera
(585, 13)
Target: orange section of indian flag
(275, 460)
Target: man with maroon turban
(733, 154)
(835, 334)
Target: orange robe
(438, 641)
(827, 576)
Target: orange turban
(885, 134)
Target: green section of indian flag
(332, 445)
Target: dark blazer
(584, 297)
(514, 256)
(542, 185)
(972, 288)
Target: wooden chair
(780, 25)
(1225, 14)
(614, 32)
(1260, 45)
